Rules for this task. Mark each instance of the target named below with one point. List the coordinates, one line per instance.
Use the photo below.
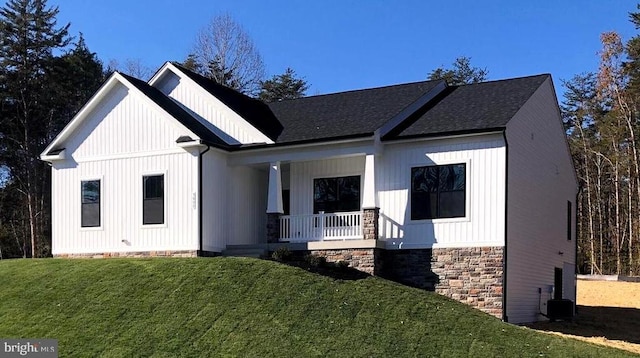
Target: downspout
(200, 202)
(506, 211)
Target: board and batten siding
(234, 203)
(303, 173)
(219, 118)
(483, 225)
(121, 206)
(123, 124)
(541, 182)
(119, 142)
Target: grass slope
(247, 308)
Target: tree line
(601, 113)
(47, 75)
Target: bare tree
(225, 53)
(132, 67)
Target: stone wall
(410, 267)
(365, 260)
(370, 223)
(273, 227)
(181, 253)
(472, 275)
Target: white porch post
(369, 197)
(274, 202)
(370, 206)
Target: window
(153, 199)
(339, 194)
(90, 211)
(438, 191)
(569, 220)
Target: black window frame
(338, 205)
(150, 202)
(429, 202)
(87, 203)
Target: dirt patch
(608, 314)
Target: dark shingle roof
(177, 112)
(344, 114)
(473, 108)
(252, 110)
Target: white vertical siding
(303, 173)
(213, 113)
(214, 201)
(123, 124)
(234, 202)
(126, 137)
(541, 181)
(247, 205)
(483, 224)
(121, 206)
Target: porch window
(90, 216)
(438, 191)
(338, 194)
(153, 199)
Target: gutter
(506, 217)
(200, 202)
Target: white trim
(164, 198)
(443, 137)
(130, 155)
(96, 101)
(467, 192)
(92, 228)
(51, 158)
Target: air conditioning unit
(560, 309)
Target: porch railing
(322, 226)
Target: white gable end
(214, 114)
(124, 123)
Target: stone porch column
(370, 206)
(274, 203)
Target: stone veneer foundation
(365, 260)
(182, 253)
(472, 275)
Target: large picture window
(153, 199)
(90, 211)
(339, 194)
(438, 191)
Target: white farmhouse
(468, 190)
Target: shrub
(282, 254)
(316, 260)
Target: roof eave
(449, 134)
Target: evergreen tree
(283, 86)
(462, 73)
(28, 36)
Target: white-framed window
(153, 199)
(438, 191)
(90, 199)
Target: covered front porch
(331, 199)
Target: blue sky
(342, 45)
